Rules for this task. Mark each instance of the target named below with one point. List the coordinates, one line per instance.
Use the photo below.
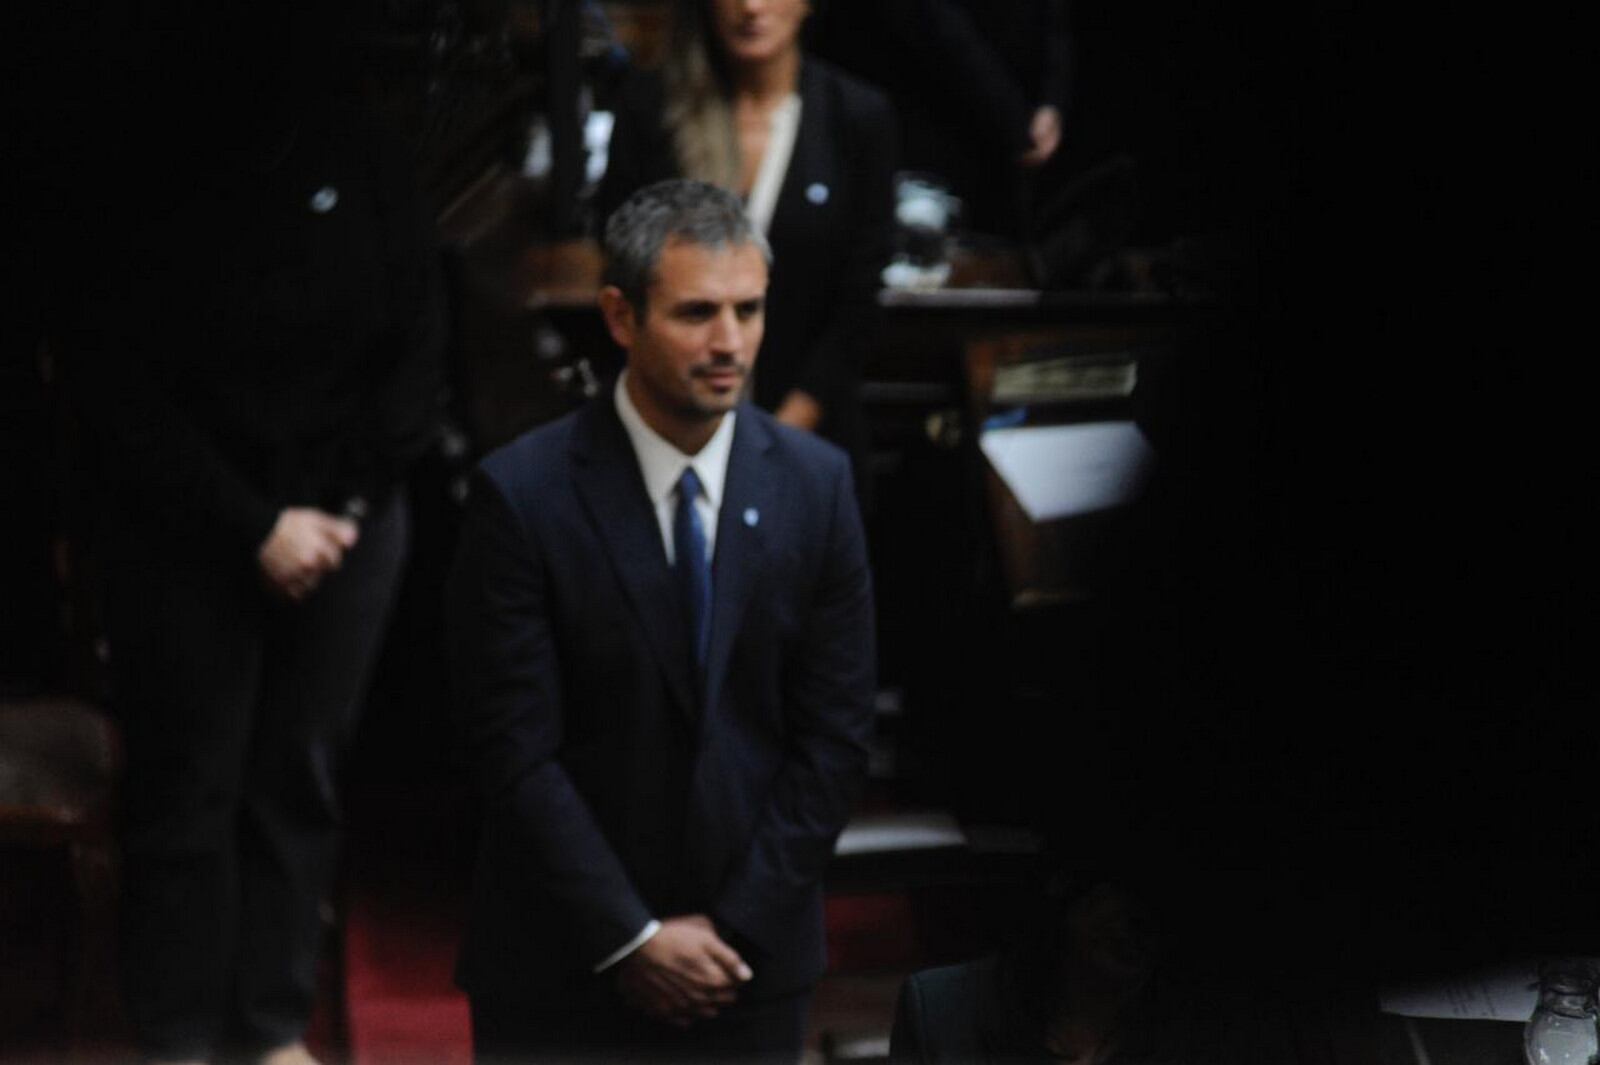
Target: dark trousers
(604, 1031)
(235, 710)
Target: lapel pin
(817, 193)
(324, 199)
(752, 517)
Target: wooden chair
(59, 763)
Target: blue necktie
(694, 572)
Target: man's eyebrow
(691, 305)
(701, 306)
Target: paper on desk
(1056, 471)
(905, 831)
(1501, 993)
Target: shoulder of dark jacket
(855, 96)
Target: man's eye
(749, 310)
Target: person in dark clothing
(1073, 986)
(982, 90)
(661, 638)
(252, 393)
(812, 152)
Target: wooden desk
(918, 359)
(1054, 561)
(1429, 1041)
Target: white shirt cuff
(630, 946)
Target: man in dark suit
(662, 639)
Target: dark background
(1349, 670)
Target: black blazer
(830, 232)
(272, 348)
(613, 790)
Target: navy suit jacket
(617, 786)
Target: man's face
(690, 354)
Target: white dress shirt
(662, 465)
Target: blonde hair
(698, 111)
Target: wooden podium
(1055, 376)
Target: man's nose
(726, 335)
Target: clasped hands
(682, 974)
(305, 545)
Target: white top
(662, 465)
(774, 162)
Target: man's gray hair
(676, 210)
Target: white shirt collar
(662, 463)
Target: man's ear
(622, 321)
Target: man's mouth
(721, 375)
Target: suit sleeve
(641, 151)
(145, 444)
(1055, 86)
(827, 703)
(411, 397)
(948, 50)
(508, 690)
(830, 369)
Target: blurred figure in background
(981, 88)
(254, 375)
(1074, 985)
(811, 150)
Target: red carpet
(868, 932)
(401, 1007)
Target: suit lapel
(749, 509)
(608, 482)
(793, 210)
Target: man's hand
(799, 409)
(305, 544)
(1045, 132)
(683, 973)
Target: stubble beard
(708, 402)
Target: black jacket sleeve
(509, 695)
(829, 369)
(641, 150)
(147, 449)
(828, 698)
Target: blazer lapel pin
(752, 517)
